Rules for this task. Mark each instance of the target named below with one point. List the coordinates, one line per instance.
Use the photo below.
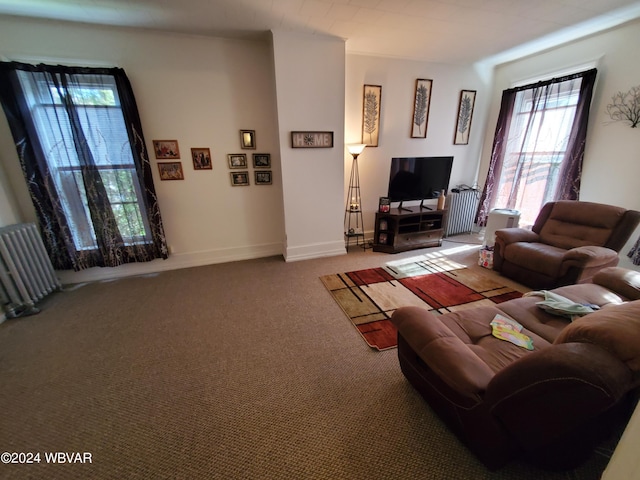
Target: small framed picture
(263, 177)
(248, 139)
(261, 160)
(170, 171)
(237, 160)
(382, 239)
(384, 205)
(166, 149)
(239, 179)
(201, 158)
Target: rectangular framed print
(311, 139)
(371, 101)
(421, 103)
(239, 179)
(201, 158)
(465, 115)
(263, 177)
(166, 149)
(170, 171)
(237, 160)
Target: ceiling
(446, 31)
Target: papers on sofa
(506, 328)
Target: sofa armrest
(553, 391)
(444, 353)
(621, 280)
(590, 256)
(504, 237)
(511, 235)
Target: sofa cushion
(537, 257)
(473, 327)
(572, 224)
(614, 328)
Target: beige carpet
(245, 370)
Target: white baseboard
(174, 262)
(197, 259)
(316, 250)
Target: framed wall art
(261, 160)
(311, 139)
(371, 102)
(248, 139)
(239, 179)
(421, 103)
(465, 115)
(170, 171)
(201, 158)
(166, 149)
(237, 160)
(263, 177)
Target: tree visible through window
(80, 143)
(106, 137)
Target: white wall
(309, 71)
(198, 90)
(8, 213)
(398, 78)
(611, 166)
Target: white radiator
(462, 207)
(26, 273)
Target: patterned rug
(369, 297)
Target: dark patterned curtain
(529, 166)
(79, 140)
(634, 253)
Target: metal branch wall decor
(625, 107)
(421, 108)
(371, 115)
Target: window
(539, 146)
(79, 140)
(104, 131)
(536, 146)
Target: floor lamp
(353, 222)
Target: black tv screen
(418, 178)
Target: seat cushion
(473, 327)
(537, 257)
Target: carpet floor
(244, 370)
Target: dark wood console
(408, 229)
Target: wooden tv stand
(408, 229)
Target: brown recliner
(549, 406)
(569, 243)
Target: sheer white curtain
(538, 146)
(79, 140)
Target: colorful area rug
(369, 297)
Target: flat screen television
(418, 178)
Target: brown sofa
(551, 405)
(569, 243)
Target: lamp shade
(356, 148)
